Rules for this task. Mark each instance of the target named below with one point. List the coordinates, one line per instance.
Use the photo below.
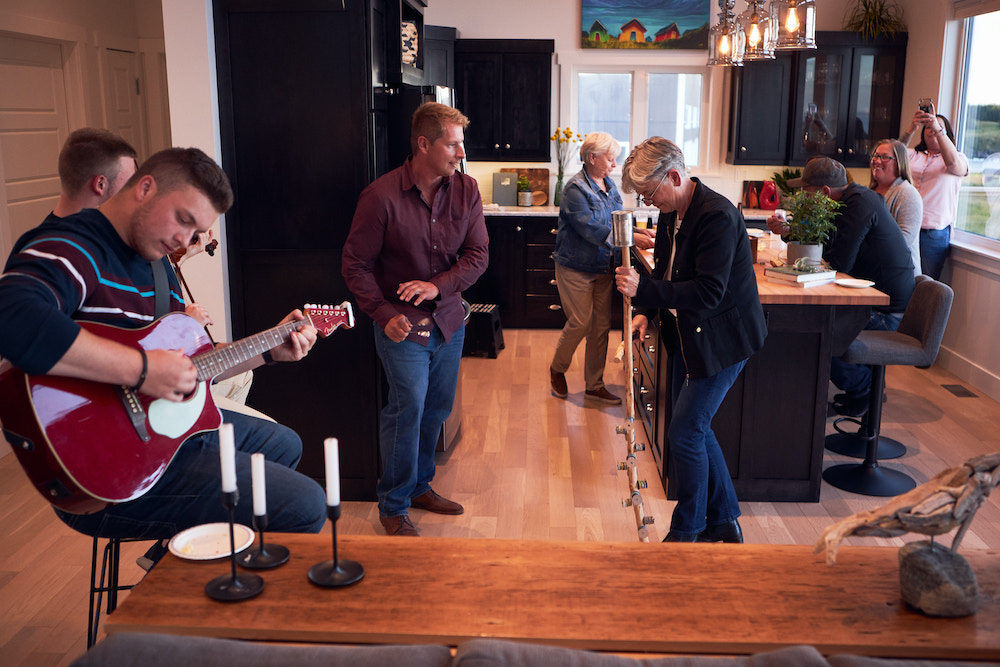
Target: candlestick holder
(232, 587)
(335, 573)
(263, 556)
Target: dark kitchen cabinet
(504, 86)
(758, 129)
(298, 127)
(521, 276)
(839, 100)
(439, 55)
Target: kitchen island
(772, 423)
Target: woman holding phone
(938, 169)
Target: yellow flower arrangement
(565, 139)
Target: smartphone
(925, 104)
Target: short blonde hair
(430, 119)
(599, 143)
(649, 162)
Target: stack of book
(789, 276)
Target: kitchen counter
(772, 423)
(519, 211)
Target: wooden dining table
(619, 597)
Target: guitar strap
(161, 287)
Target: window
(634, 105)
(979, 133)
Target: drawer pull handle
(553, 282)
(643, 391)
(518, 228)
(506, 145)
(649, 407)
(554, 232)
(555, 306)
(652, 349)
(496, 146)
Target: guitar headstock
(328, 319)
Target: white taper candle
(332, 454)
(227, 454)
(257, 477)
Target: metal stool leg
(868, 478)
(107, 583)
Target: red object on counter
(768, 196)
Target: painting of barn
(598, 33)
(644, 24)
(633, 31)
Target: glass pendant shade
(794, 24)
(725, 40)
(755, 24)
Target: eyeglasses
(648, 201)
(882, 158)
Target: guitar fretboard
(218, 361)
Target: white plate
(854, 282)
(756, 233)
(209, 541)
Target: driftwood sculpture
(948, 500)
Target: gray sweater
(907, 208)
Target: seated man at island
(867, 243)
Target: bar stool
(109, 572)
(915, 343)
(855, 443)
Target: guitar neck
(221, 359)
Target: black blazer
(713, 287)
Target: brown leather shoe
(602, 395)
(432, 502)
(559, 389)
(399, 526)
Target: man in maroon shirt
(417, 240)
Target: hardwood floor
(526, 466)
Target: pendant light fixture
(755, 24)
(725, 39)
(794, 24)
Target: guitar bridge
(130, 401)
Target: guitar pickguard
(172, 419)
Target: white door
(33, 126)
(123, 99)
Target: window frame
(640, 103)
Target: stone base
(937, 581)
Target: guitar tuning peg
(309, 306)
(327, 306)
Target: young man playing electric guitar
(97, 266)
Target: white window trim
(606, 60)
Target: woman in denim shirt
(584, 266)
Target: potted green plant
(873, 18)
(523, 191)
(810, 222)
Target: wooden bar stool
(915, 343)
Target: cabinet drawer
(542, 232)
(540, 281)
(543, 312)
(539, 257)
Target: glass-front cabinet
(848, 96)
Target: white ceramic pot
(813, 251)
(524, 198)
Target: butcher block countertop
(776, 293)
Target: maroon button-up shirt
(396, 236)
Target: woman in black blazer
(704, 289)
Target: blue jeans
(705, 493)
(422, 382)
(856, 379)
(935, 244)
(189, 493)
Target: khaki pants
(586, 300)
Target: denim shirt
(583, 242)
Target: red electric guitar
(87, 445)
